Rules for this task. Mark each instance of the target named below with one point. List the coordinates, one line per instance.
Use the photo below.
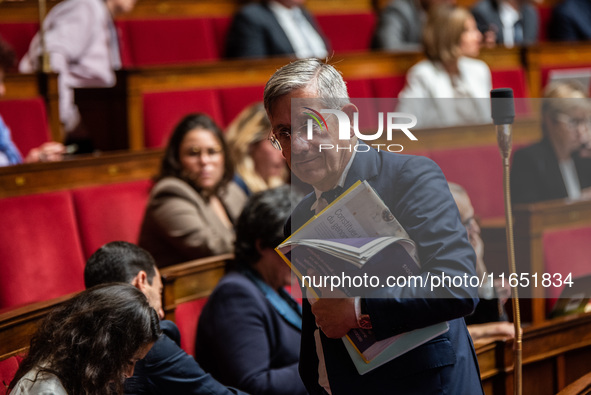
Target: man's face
(320, 168)
(153, 293)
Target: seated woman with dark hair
(193, 206)
(249, 330)
(89, 344)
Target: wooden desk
(555, 354)
(17, 326)
(79, 171)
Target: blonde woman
(451, 41)
(259, 166)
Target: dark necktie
(518, 32)
(331, 195)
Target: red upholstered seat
(235, 99)
(387, 87)
(186, 317)
(515, 79)
(348, 32)
(221, 25)
(566, 251)
(167, 41)
(19, 36)
(40, 251)
(544, 14)
(163, 110)
(27, 121)
(8, 368)
(110, 212)
(479, 170)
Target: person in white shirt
(450, 87)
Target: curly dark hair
(171, 164)
(89, 341)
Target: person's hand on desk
(47, 152)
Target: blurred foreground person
(89, 344)
(166, 369)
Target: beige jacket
(179, 225)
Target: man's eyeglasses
(282, 138)
(574, 123)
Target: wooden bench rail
(27, 10)
(17, 326)
(580, 387)
(555, 354)
(191, 280)
(80, 171)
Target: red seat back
(235, 99)
(348, 32)
(221, 25)
(163, 110)
(566, 251)
(482, 178)
(8, 368)
(18, 36)
(168, 41)
(27, 121)
(40, 251)
(186, 317)
(110, 213)
(388, 87)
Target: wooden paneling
(555, 354)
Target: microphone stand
(503, 113)
(44, 65)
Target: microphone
(503, 114)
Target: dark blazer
(535, 175)
(244, 342)
(256, 33)
(416, 192)
(571, 21)
(486, 13)
(167, 369)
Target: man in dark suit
(275, 28)
(508, 22)
(166, 369)
(570, 21)
(416, 192)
